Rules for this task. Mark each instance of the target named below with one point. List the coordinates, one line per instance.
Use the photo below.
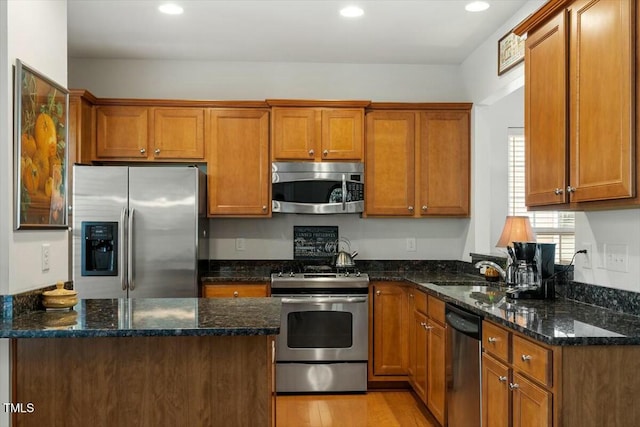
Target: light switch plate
(586, 258)
(616, 257)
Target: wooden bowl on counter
(59, 298)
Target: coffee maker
(531, 271)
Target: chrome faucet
(492, 264)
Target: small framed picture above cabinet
(510, 52)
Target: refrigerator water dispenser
(99, 248)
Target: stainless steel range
(323, 341)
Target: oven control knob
(346, 274)
(280, 274)
(291, 274)
(357, 274)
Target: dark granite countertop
(150, 317)
(559, 322)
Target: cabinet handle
(428, 327)
(514, 386)
(492, 340)
(325, 153)
(378, 293)
(273, 352)
(423, 324)
(525, 357)
(410, 208)
(264, 207)
(410, 295)
(424, 208)
(571, 189)
(558, 191)
(156, 151)
(311, 152)
(142, 151)
(502, 379)
(235, 294)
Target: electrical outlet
(46, 256)
(240, 244)
(411, 244)
(586, 258)
(616, 257)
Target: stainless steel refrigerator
(138, 232)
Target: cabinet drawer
(436, 309)
(231, 291)
(533, 360)
(495, 341)
(420, 300)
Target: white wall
(262, 80)
(373, 238)
(40, 41)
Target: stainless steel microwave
(317, 187)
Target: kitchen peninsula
(146, 362)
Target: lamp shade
(516, 229)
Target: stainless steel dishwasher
(464, 330)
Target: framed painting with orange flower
(40, 130)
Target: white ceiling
(390, 32)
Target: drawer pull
(525, 357)
(428, 327)
(235, 294)
(492, 340)
(423, 324)
(514, 386)
(502, 379)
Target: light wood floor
(373, 409)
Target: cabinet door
(602, 100)
(122, 132)
(443, 174)
(496, 397)
(390, 324)
(390, 160)
(178, 133)
(342, 134)
(419, 350)
(296, 133)
(436, 371)
(531, 404)
(546, 114)
(238, 162)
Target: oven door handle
(324, 300)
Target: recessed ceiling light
(170, 9)
(351, 12)
(477, 6)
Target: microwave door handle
(344, 192)
(130, 251)
(123, 247)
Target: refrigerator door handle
(123, 245)
(130, 251)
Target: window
(550, 226)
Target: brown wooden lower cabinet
(528, 383)
(144, 381)
(425, 339)
(388, 335)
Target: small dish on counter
(59, 298)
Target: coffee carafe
(532, 271)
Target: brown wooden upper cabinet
(417, 160)
(317, 133)
(132, 132)
(238, 167)
(580, 103)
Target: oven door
(323, 328)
